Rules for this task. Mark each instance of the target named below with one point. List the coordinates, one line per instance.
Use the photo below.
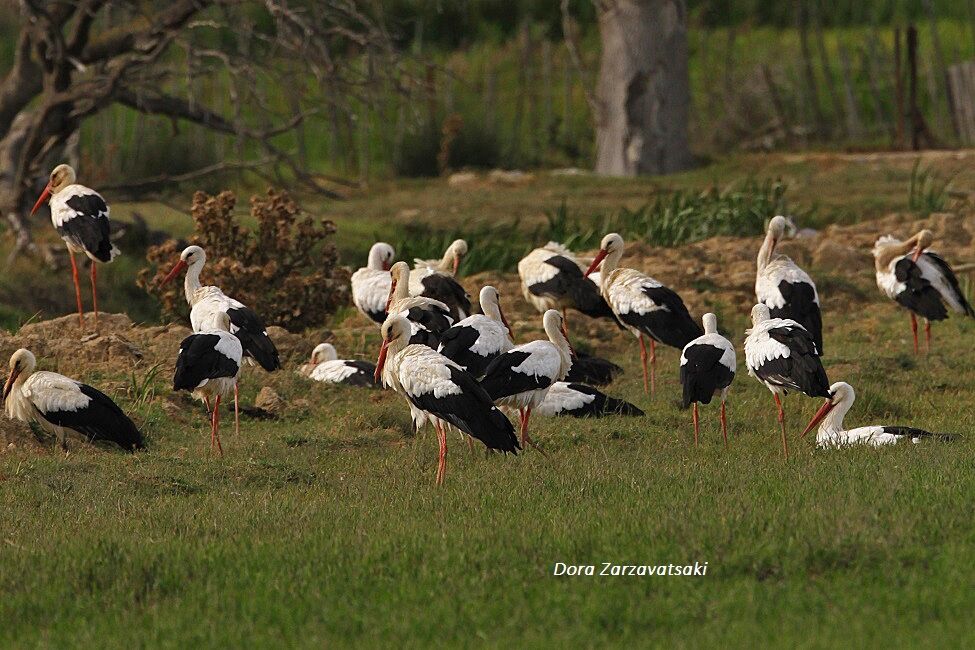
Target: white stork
(589, 369)
(521, 377)
(428, 318)
(326, 367)
(582, 401)
(438, 387)
(643, 305)
(781, 354)
(436, 279)
(707, 367)
(552, 278)
(370, 284)
(58, 404)
(786, 289)
(919, 280)
(831, 433)
(80, 215)
(208, 365)
(475, 341)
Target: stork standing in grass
(786, 289)
(919, 280)
(58, 404)
(707, 368)
(552, 278)
(370, 284)
(521, 377)
(832, 434)
(781, 354)
(326, 367)
(475, 341)
(436, 279)
(80, 215)
(438, 387)
(582, 401)
(643, 305)
(428, 318)
(208, 365)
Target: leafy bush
(286, 269)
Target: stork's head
(191, 256)
(760, 314)
(61, 176)
(842, 395)
(922, 240)
(456, 252)
(323, 352)
(710, 323)
(554, 323)
(610, 246)
(776, 229)
(22, 363)
(400, 274)
(381, 256)
(490, 301)
(396, 334)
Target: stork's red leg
(94, 291)
(236, 412)
(77, 289)
(724, 424)
(442, 458)
(643, 360)
(696, 427)
(927, 334)
(525, 438)
(785, 444)
(653, 365)
(216, 424)
(914, 330)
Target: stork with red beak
(370, 284)
(80, 215)
(474, 342)
(437, 279)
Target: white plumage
(476, 340)
(370, 284)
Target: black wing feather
(102, 419)
(949, 275)
(801, 370)
(500, 380)
(703, 374)
(919, 296)
(253, 337)
(800, 306)
(90, 228)
(591, 370)
(449, 291)
(571, 287)
(364, 376)
(672, 326)
(602, 405)
(456, 343)
(198, 360)
(911, 432)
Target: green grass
(326, 528)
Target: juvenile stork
(428, 318)
(643, 305)
(582, 401)
(436, 386)
(786, 289)
(831, 433)
(208, 365)
(521, 377)
(80, 215)
(436, 279)
(781, 354)
(552, 278)
(707, 367)
(58, 404)
(919, 280)
(326, 367)
(474, 342)
(370, 284)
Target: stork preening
(325, 366)
(80, 215)
(428, 318)
(474, 342)
(435, 279)
(370, 284)
(786, 289)
(58, 404)
(521, 377)
(552, 278)
(707, 368)
(643, 305)
(781, 354)
(438, 387)
(208, 365)
(919, 280)
(582, 401)
(831, 433)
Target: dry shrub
(286, 270)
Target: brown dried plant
(286, 269)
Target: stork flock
(462, 370)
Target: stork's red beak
(45, 195)
(505, 322)
(381, 361)
(180, 266)
(596, 262)
(917, 252)
(820, 414)
(565, 333)
(10, 383)
(456, 263)
(392, 289)
(386, 266)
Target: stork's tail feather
(593, 371)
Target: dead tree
(75, 59)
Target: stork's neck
(893, 250)
(191, 283)
(402, 290)
(561, 343)
(17, 406)
(375, 259)
(446, 263)
(765, 252)
(610, 263)
(710, 324)
(833, 422)
(491, 309)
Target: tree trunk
(643, 94)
